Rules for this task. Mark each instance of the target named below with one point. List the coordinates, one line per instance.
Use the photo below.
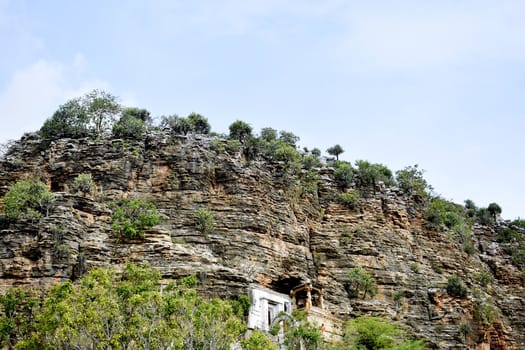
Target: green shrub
(456, 288)
(484, 278)
(343, 174)
(131, 217)
(349, 200)
(375, 333)
(240, 131)
(258, 341)
(289, 138)
(369, 174)
(310, 162)
(484, 312)
(204, 221)
(129, 127)
(360, 281)
(410, 180)
(83, 183)
(28, 199)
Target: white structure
(266, 305)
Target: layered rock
(271, 228)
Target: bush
(310, 162)
(288, 138)
(83, 183)
(456, 288)
(369, 174)
(204, 221)
(360, 281)
(129, 127)
(343, 174)
(240, 131)
(132, 216)
(410, 180)
(374, 333)
(28, 199)
(258, 341)
(349, 200)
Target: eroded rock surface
(270, 228)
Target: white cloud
(34, 92)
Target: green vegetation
(83, 183)
(335, 150)
(258, 341)
(299, 333)
(456, 288)
(369, 175)
(360, 281)
(494, 210)
(204, 221)
(28, 199)
(90, 115)
(484, 278)
(349, 199)
(411, 181)
(105, 310)
(129, 127)
(240, 131)
(343, 174)
(375, 333)
(132, 216)
(512, 239)
(194, 123)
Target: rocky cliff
(271, 227)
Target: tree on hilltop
(335, 151)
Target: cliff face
(271, 228)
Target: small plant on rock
(131, 217)
(83, 183)
(204, 221)
(456, 288)
(349, 200)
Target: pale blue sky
(437, 83)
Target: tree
(106, 310)
(335, 151)
(410, 180)
(70, 120)
(129, 127)
(177, 124)
(360, 281)
(268, 134)
(370, 174)
(316, 152)
(28, 199)
(92, 114)
(375, 333)
(101, 107)
(131, 217)
(494, 210)
(199, 124)
(240, 131)
(139, 113)
(289, 138)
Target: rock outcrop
(271, 227)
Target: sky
(437, 83)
